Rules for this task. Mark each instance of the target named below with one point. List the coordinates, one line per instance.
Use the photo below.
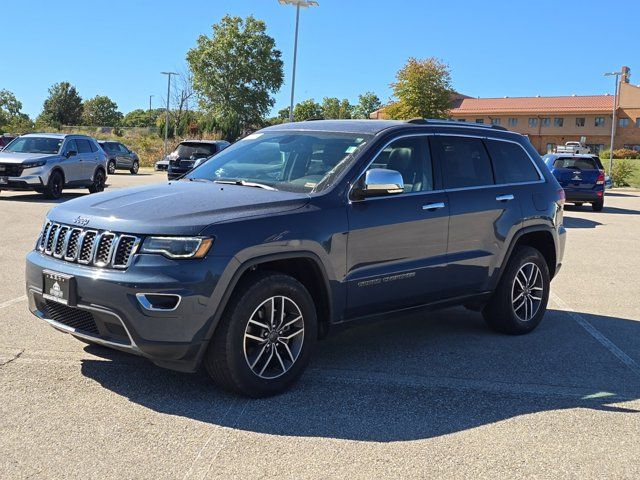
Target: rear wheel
(520, 301)
(265, 338)
(598, 206)
(54, 185)
(99, 180)
(135, 167)
(111, 167)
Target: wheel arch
(539, 237)
(59, 170)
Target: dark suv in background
(191, 153)
(119, 157)
(297, 230)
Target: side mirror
(378, 182)
(70, 153)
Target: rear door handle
(504, 198)
(433, 206)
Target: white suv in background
(50, 162)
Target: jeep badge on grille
(81, 220)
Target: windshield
(35, 145)
(576, 163)
(292, 161)
(195, 150)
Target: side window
(511, 163)
(409, 156)
(464, 160)
(94, 147)
(122, 148)
(83, 145)
(70, 146)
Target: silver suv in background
(119, 157)
(50, 162)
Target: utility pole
(298, 4)
(150, 97)
(166, 119)
(616, 75)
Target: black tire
(135, 167)
(500, 313)
(111, 167)
(598, 206)
(99, 180)
(54, 186)
(225, 359)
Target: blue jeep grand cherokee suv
(298, 229)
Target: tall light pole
(613, 117)
(150, 97)
(166, 118)
(298, 4)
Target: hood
(175, 208)
(17, 158)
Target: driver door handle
(433, 206)
(504, 198)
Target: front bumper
(169, 338)
(27, 182)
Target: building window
(637, 122)
(461, 120)
(623, 122)
(495, 121)
(551, 147)
(558, 122)
(513, 121)
(479, 120)
(580, 121)
(533, 122)
(595, 147)
(545, 122)
(599, 122)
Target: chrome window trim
(434, 134)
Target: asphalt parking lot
(431, 395)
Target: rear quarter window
(511, 164)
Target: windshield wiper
(244, 183)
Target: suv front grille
(10, 169)
(88, 247)
(71, 317)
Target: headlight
(34, 164)
(177, 247)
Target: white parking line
(595, 333)
(8, 303)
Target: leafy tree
(422, 89)
(101, 111)
(235, 72)
(283, 113)
(334, 108)
(62, 107)
(11, 118)
(306, 110)
(136, 118)
(368, 102)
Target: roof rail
(436, 121)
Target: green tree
(422, 89)
(235, 73)
(101, 111)
(307, 110)
(62, 107)
(368, 102)
(11, 118)
(333, 108)
(137, 118)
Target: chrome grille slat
(87, 247)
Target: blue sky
(494, 48)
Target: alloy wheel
(527, 291)
(273, 337)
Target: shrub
(622, 173)
(625, 153)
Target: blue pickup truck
(581, 176)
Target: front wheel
(265, 338)
(54, 186)
(520, 300)
(135, 167)
(598, 206)
(99, 180)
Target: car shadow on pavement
(34, 197)
(577, 222)
(405, 379)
